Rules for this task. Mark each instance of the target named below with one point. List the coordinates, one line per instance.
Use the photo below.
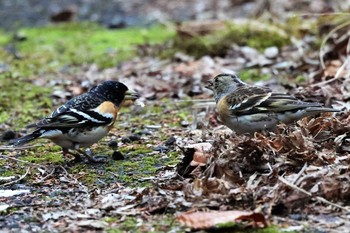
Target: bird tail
(25, 139)
(321, 109)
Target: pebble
(271, 52)
(185, 123)
(161, 149)
(8, 135)
(195, 90)
(170, 141)
(113, 144)
(117, 155)
(145, 132)
(130, 138)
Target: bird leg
(77, 157)
(90, 158)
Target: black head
(113, 91)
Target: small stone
(195, 90)
(185, 123)
(170, 141)
(20, 36)
(131, 138)
(271, 52)
(161, 149)
(113, 144)
(8, 135)
(125, 140)
(145, 132)
(117, 155)
(134, 137)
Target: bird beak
(131, 95)
(210, 85)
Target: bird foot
(91, 159)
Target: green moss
(4, 37)
(50, 48)
(4, 172)
(43, 157)
(156, 224)
(253, 75)
(217, 43)
(87, 173)
(135, 150)
(173, 158)
(300, 79)
(20, 100)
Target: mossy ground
(217, 43)
(156, 224)
(51, 48)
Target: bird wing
(75, 118)
(279, 102)
(246, 98)
(78, 112)
(251, 100)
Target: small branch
(299, 173)
(320, 199)
(45, 177)
(326, 39)
(337, 74)
(12, 148)
(19, 179)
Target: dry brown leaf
(204, 220)
(201, 153)
(333, 67)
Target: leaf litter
(296, 177)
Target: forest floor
(172, 166)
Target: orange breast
(108, 108)
(223, 108)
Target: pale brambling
(83, 120)
(248, 109)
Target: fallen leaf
(204, 220)
(93, 224)
(201, 153)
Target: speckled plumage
(83, 120)
(247, 109)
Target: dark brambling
(83, 120)
(248, 109)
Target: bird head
(223, 84)
(115, 92)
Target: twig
(19, 179)
(195, 100)
(11, 148)
(325, 40)
(337, 74)
(45, 177)
(299, 173)
(321, 14)
(320, 199)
